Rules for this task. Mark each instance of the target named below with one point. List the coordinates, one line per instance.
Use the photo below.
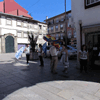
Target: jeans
(27, 57)
(83, 64)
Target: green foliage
(32, 41)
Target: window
(25, 24)
(40, 26)
(51, 21)
(56, 26)
(25, 35)
(91, 3)
(61, 36)
(62, 18)
(61, 26)
(57, 36)
(19, 23)
(19, 34)
(44, 27)
(52, 28)
(35, 26)
(57, 20)
(8, 22)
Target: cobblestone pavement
(18, 82)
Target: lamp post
(65, 26)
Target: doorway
(9, 44)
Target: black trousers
(27, 57)
(41, 61)
(83, 64)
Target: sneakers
(28, 64)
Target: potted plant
(33, 40)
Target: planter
(33, 55)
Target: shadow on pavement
(16, 74)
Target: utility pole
(65, 26)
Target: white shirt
(53, 51)
(83, 54)
(27, 50)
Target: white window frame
(25, 24)
(19, 21)
(91, 2)
(19, 34)
(25, 35)
(8, 19)
(35, 26)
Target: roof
(58, 15)
(12, 7)
(21, 17)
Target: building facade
(86, 18)
(56, 26)
(14, 27)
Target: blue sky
(39, 9)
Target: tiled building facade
(56, 26)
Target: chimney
(46, 17)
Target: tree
(33, 41)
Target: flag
(48, 36)
(19, 52)
(56, 45)
(53, 38)
(44, 47)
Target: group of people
(54, 58)
(83, 57)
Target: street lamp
(65, 26)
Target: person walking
(40, 54)
(54, 59)
(83, 58)
(27, 51)
(64, 58)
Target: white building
(86, 18)
(13, 31)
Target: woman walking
(83, 58)
(40, 54)
(64, 58)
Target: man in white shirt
(27, 51)
(54, 61)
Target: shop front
(92, 40)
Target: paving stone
(49, 88)
(91, 89)
(87, 96)
(75, 98)
(67, 94)
(3, 85)
(9, 81)
(45, 94)
(98, 93)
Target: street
(18, 82)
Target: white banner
(19, 52)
